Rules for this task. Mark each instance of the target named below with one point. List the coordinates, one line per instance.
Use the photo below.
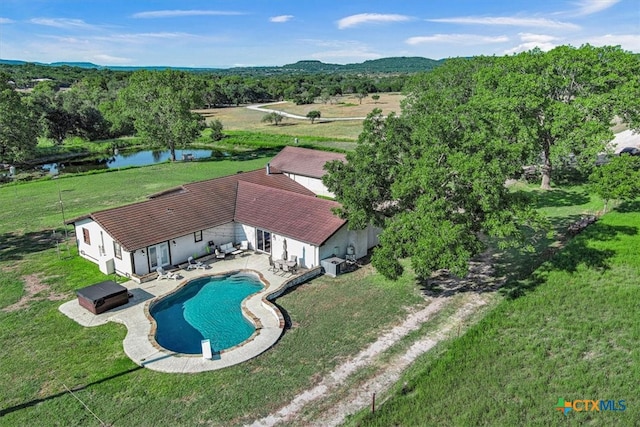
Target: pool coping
(140, 345)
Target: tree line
(59, 102)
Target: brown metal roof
(195, 206)
(298, 216)
(304, 161)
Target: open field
(573, 335)
(241, 118)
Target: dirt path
(333, 401)
(356, 399)
(259, 107)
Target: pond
(124, 159)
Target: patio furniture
(285, 268)
(279, 265)
(244, 245)
(220, 254)
(163, 274)
(227, 248)
(292, 266)
(193, 265)
(272, 265)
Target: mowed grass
(573, 336)
(243, 119)
(45, 353)
(30, 207)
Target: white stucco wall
(245, 232)
(101, 250)
(313, 184)
(361, 240)
(306, 253)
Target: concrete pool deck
(139, 344)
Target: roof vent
(268, 169)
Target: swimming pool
(205, 308)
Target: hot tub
(102, 296)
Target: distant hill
(375, 66)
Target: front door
(158, 256)
(263, 238)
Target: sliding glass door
(263, 239)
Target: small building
(267, 208)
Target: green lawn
(44, 351)
(329, 320)
(30, 207)
(573, 335)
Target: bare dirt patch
(35, 290)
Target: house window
(85, 236)
(117, 250)
(198, 236)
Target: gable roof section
(304, 161)
(295, 215)
(195, 206)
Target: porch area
(135, 314)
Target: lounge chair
(193, 265)
(220, 255)
(244, 245)
(163, 274)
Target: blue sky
(227, 33)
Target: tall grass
(574, 336)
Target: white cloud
(523, 47)
(366, 18)
(179, 13)
(508, 20)
(281, 18)
(588, 7)
(102, 58)
(64, 23)
(6, 21)
(540, 38)
(466, 39)
(630, 42)
(530, 41)
(146, 37)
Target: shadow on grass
(34, 402)
(568, 258)
(629, 206)
(559, 198)
(14, 247)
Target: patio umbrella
(284, 249)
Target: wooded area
(433, 178)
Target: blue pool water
(205, 308)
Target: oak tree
(434, 177)
(160, 103)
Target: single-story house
(267, 208)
